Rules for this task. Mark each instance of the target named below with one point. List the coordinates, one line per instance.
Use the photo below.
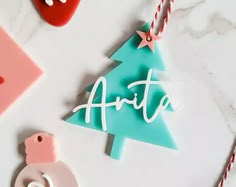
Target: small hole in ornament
(1, 80)
(40, 139)
(149, 38)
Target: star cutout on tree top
(147, 40)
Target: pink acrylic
(40, 149)
(17, 71)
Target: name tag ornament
(57, 12)
(129, 99)
(43, 168)
(17, 72)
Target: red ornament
(59, 13)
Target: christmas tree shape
(127, 122)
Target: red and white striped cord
(165, 20)
(227, 169)
(156, 16)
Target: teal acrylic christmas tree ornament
(129, 99)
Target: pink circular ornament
(43, 169)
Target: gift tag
(128, 101)
(17, 71)
(43, 168)
(57, 12)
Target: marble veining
(199, 46)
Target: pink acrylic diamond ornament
(17, 71)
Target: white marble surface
(199, 49)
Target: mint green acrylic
(128, 122)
